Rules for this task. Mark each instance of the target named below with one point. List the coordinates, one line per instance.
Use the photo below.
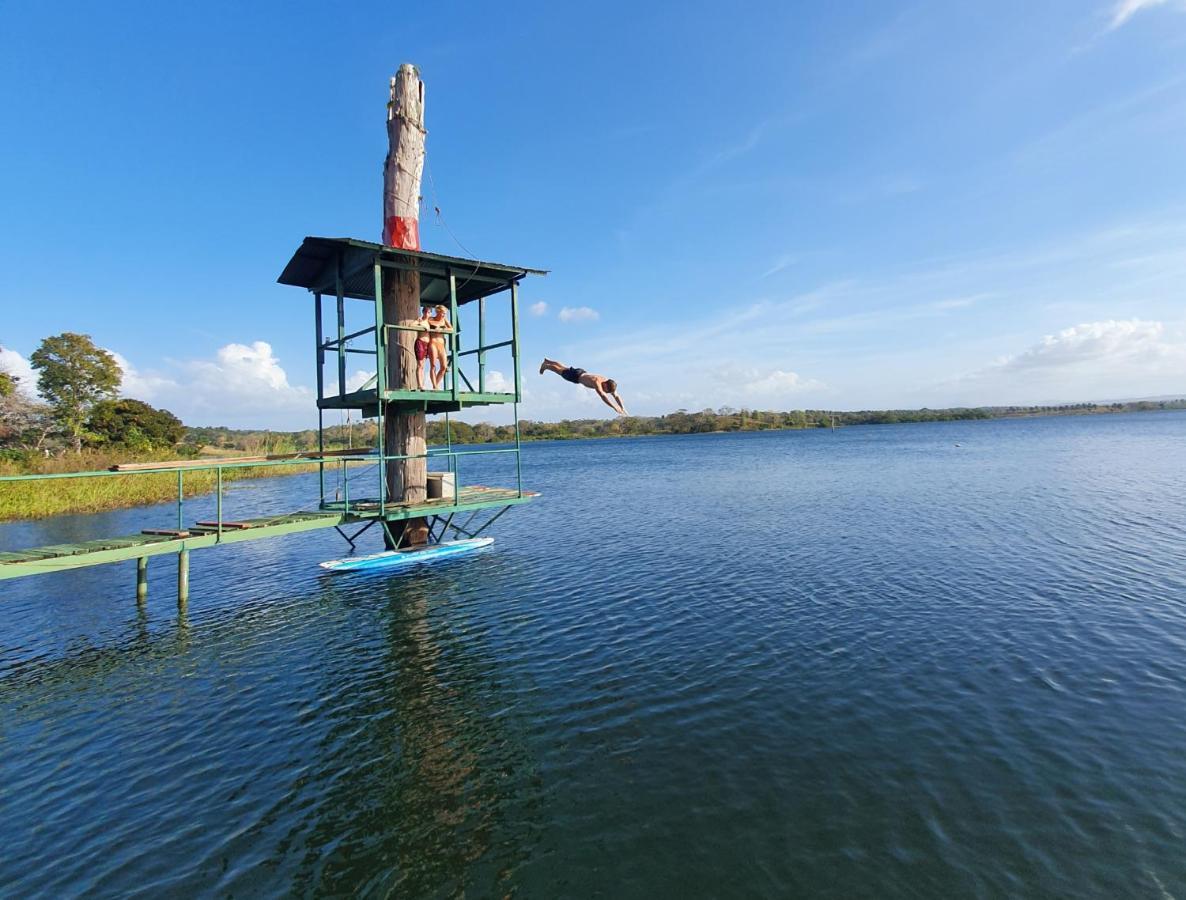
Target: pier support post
(182, 577)
(141, 579)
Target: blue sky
(782, 205)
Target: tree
(74, 375)
(134, 424)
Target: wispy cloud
(1126, 9)
(959, 302)
(783, 262)
(579, 314)
(893, 336)
(539, 309)
(752, 138)
(1141, 110)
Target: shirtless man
(606, 388)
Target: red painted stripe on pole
(402, 232)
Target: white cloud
(1124, 10)
(499, 383)
(1091, 361)
(1096, 343)
(243, 386)
(15, 364)
(141, 385)
(357, 381)
(539, 309)
(579, 314)
(759, 383)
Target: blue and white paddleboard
(396, 559)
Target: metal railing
(181, 470)
(366, 504)
(309, 461)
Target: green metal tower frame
(344, 269)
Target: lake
(890, 661)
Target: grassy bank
(38, 499)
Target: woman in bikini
(439, 326)
(422, 348)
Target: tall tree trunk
(404, 432)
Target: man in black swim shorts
(606, 388)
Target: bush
(134, 424)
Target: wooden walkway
(154, 542)
(59, 557)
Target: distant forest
(76, 410)
(679, 422)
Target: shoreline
(32, 501)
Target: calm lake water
(920, 660)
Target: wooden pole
(404, 431)
(141, 578)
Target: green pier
(338, 270)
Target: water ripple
(852, 664)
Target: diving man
(606, 388)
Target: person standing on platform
(423, 348)
(439, 326)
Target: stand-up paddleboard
(397, 559)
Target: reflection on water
(901, 667)
(445, 778)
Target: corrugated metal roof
(315, 264)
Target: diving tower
(337, 271)
(342, 269)
(412, 503)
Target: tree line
(77, 405)
(726, 419)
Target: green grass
(38, 499)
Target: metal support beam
(481, 346)
(494, 518)
(380, 383)
(390, 540)
(320, 338)
(481, 350)
(453, 345)
(341, 326)
(329, 345)
(317, 310)
(515, 342)
(351, 538)
(182, 577)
